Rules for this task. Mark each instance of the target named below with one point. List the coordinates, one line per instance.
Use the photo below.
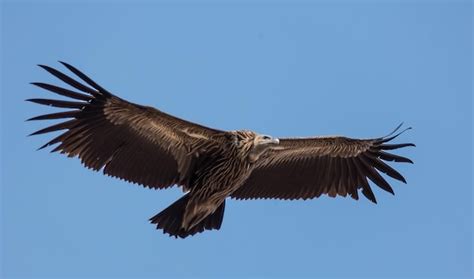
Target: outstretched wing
(137, 143)
(309, 167)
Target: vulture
(146, 146)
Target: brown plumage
(146, 146)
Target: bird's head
(253, 144)
(265, 140)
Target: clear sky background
(288, 68)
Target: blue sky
(284, 69)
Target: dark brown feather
(136, 143)
(395, 146)
(332, 166)
(381, 166)
(70, 81)
(62, 91)
(392, 157)
(57, 103)
(57, 127)
(373, 175)
(57, 115)
(85, 78)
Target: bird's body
(146, 146)
(220, 172)
(222, 165)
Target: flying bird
(146, 146)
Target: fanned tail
(170, 220)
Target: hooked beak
(270, 140)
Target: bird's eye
(266, 137)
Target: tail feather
(171, 218)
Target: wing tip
(43, 66)
(42, 147)
(67, 65)
(33, 134)
(392, 134)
